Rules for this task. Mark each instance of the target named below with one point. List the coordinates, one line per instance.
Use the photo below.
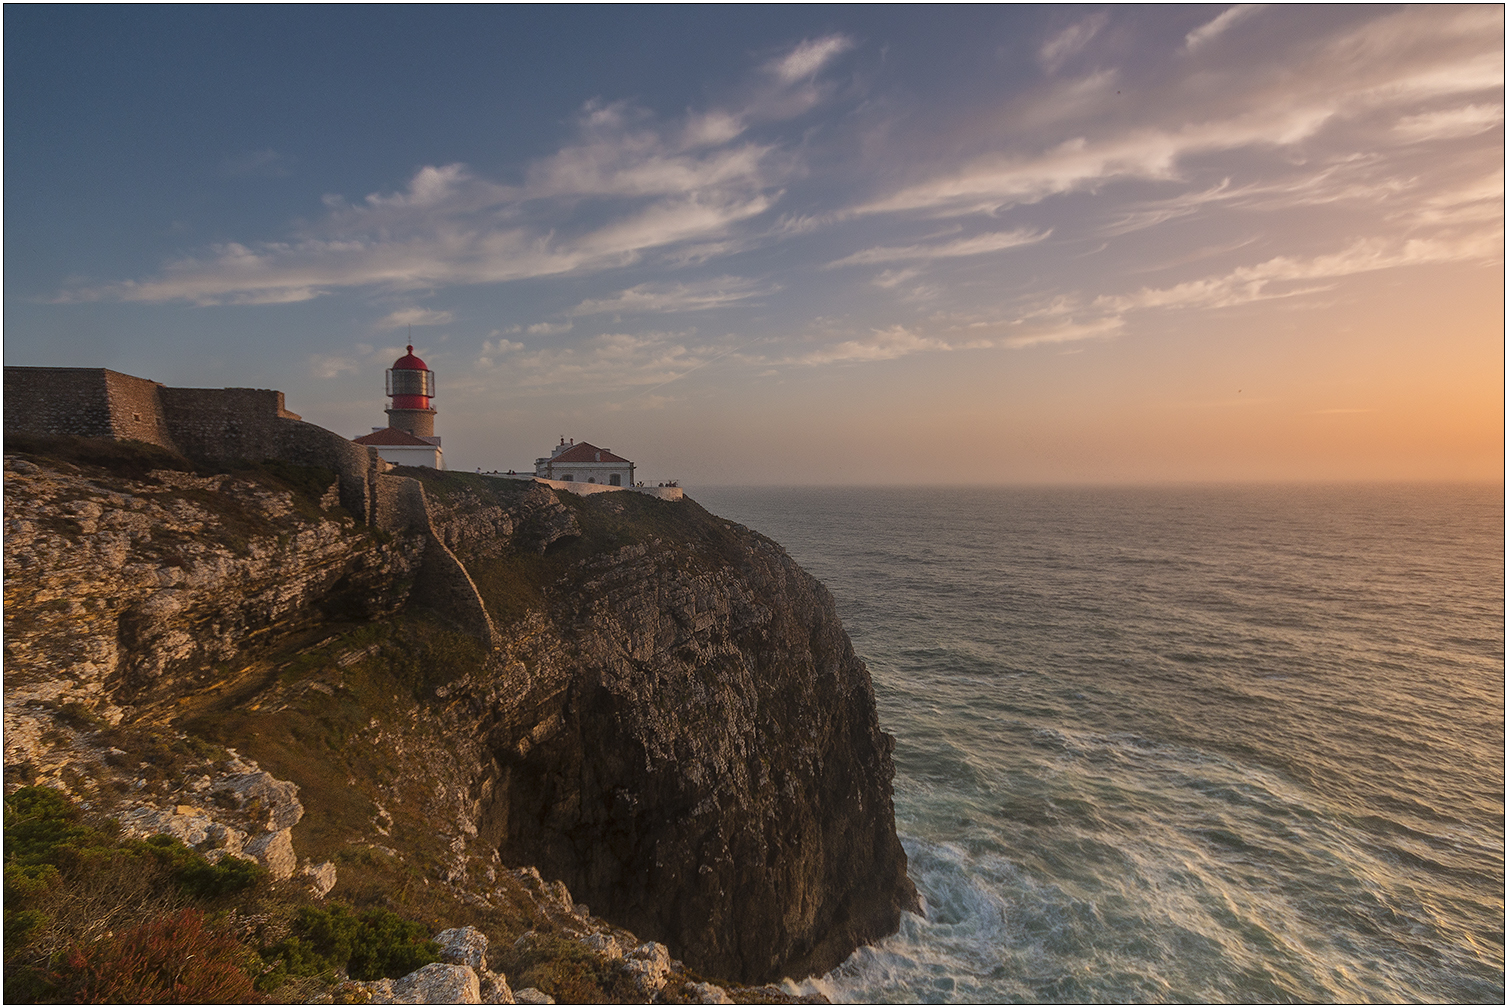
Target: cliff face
(668, 715)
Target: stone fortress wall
(87, 402)
(216, 424)
(231, 424)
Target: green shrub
(566, 970)
(195, 875)
(367, 946)
(55, 863)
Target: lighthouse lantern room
(411, 385)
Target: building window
(615, 480)
(569, 478)
(591, 479)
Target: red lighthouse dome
(408, 362)
(411, 384)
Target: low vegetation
(566, 970)
(92, 917)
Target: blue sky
(789, 244)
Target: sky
(789, 244)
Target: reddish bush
(167, 960)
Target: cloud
(258, 164)
(883, 344)
(324, 366)
(1227, 19)
(788, 85)
(699, 296)
(1257, 283)
(901, 341)
(1375, 71)
(611, 362)
(616, 157)
(993, 182)
(1479, 201)
(808, 57)
(893, 277)
(978, 245)
(1070, 40)
(1346, 180)
(415, 317)
(627, 185)
(1066, 332)
(1468, 120)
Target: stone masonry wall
(136, 409)
(232, 423)
(85, 402)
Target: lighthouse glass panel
(403, 382)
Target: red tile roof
(391, 436)
(584, 452)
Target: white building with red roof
(580, 462)
(402, 448)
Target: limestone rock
(708, 993)
(264, 793)
(495, 988)
(603, 944)
(532, 995)
(648, 965)
(321, 878)
(465, 946)
(437, 983)
(274, 851)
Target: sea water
(1208, 744)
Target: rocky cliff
(660, 709)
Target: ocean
(1187, 744)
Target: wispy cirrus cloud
(679, 297)
(1327, 183)
(415, 317)
(1052, 53)
(603, 364)
(628, 185)
(1476, 202)
(331, 365)
(943, 336)
(1445, 124)
(995, 241)
(265, 163)
(808, 57)
(1226, 20)
(1384, 66)
(883, 344)
(1267, 280)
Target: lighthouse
(409, 438)
(411, 385)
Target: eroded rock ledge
(664, 711)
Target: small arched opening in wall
(591, 479)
